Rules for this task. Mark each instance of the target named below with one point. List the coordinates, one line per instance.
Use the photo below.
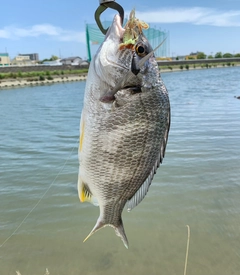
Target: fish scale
(122, 142)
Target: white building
(56, 62)
(75, 60)
(21, 60)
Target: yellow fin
(85, 194)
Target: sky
(57, 27)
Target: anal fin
(85, 194)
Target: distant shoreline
(167, 70)
(18, 83)
(14, 83)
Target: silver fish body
(122, 141)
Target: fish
(124, 124)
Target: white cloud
(195, 15)
(56, 33)
(4, 34)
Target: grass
(197, 66)
(41, 74)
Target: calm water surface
(198, 184)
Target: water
(197, 185)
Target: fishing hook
(104, 4)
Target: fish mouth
(115, 33)
(116, 28)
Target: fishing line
(38, 202)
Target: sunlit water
(198, 185)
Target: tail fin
(118, 230)
(97, 226)
(121, 233)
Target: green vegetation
(197, 66)
(41, 78)
(227, 55)
(52, 58)
(201, 55)
(37, 74)
(218, 55)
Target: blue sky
(57, 27)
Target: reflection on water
(197, 184)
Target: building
(56, 62)
(4, 59)
(179, 57)
(32, 56)
(21, 60)
(192, 56)
(75, 60)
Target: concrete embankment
(199, 61)
(11, 83)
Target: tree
(227, 55)
(201, 55)
(41, 62)
(218, 55)
(53, 57)
(210, 57)
(237, 55)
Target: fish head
(125, 59)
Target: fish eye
(140, 49)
